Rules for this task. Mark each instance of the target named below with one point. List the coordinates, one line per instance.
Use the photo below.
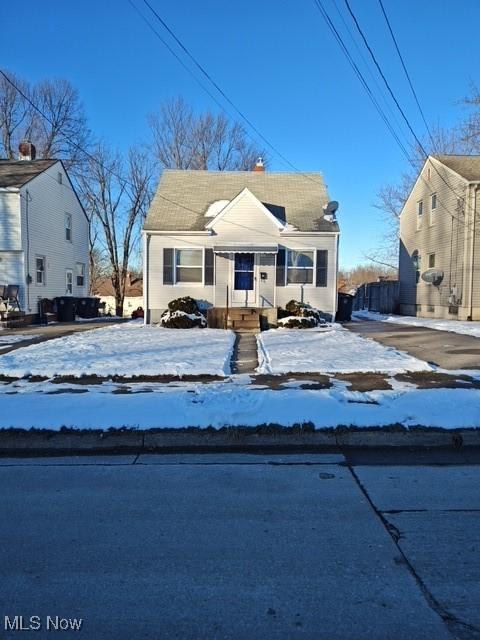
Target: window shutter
(168, 256)
(322, 262)
(281, 268)
(209, 260)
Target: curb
(230, 439)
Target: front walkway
(442, 348)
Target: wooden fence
(377, 296)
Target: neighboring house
(440, 240)
(240, 239)
(133, 295)
(43, 231)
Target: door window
(244, 271)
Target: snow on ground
(454, 326)
(129, 349)
(329, 350)
(12, 338)
(229, 404)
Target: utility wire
(407, 74)
(210, 79)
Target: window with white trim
(188, 266)
(40, 270)
(68, 227)
(300, 265)
(419, 214)
(80, 274)
(69, 281)
(433, 207)
(431, 260)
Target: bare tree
(185, 140)
(58, 128)
(117, 194)
(352, 278)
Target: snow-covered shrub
(183, 313)
(299, 315)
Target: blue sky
(278, 63)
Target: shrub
(183, 313)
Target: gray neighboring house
(439, 268)
(240, 240)
(43, 232)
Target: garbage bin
(65, 308)
(87, 307)
(344, 308)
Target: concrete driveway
(238, 546)
(442, 348)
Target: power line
(210, 79)
(407, 74)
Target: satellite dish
(433, 276)
(331, 208)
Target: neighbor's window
(68, 227)
(188, 265)
(68, 281)
(40, 269)
(80, 274)
(433, 207)
(60, 177)
(431, 260)
(417, 264)
(300, 267)
(419, 213)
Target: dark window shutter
(322, 262)
(281, 268)
(209, 260)
(168, 256)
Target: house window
(419, 214)
(188, 265)
(300, 267)
(80, 274)
(60, 177)
(68, 281)
(40, 269)
(68, 227)
(430, 308)
(433, 207)
(431, 260)
(417, 264)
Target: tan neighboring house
(243, 242)
(103, 289)
(439, 268)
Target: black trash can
(88, 307)
(66, 308)
(344, 309)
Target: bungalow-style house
(103, 289)
(439, 267)
(241, 243)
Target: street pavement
(243, 546)
(443, 348)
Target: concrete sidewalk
(442, 348)
(283, 547)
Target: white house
(240, 239)
(43, 231)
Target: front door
(244, 280)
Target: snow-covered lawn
(329, 350)
(130, 349)
(11, 338)
(454, 326)
(229, 404)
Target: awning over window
(245, 248)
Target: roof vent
(259, 166)
(26, 150)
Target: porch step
(243, 318)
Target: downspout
(146, 314)
(335, 285)
(472, 266)
(28, 277)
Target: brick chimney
(26, 150)
(259, 166)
